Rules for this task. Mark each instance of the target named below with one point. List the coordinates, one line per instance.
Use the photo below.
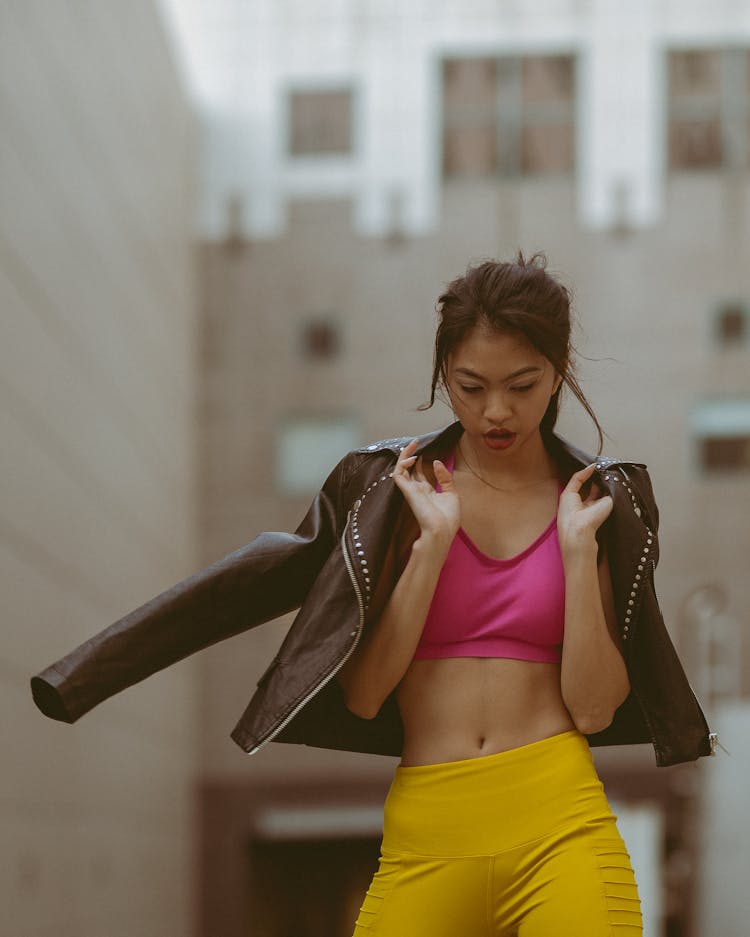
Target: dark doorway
(310, 888)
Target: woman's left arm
(594, 679)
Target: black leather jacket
(338, 568)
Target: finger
(410, 446)
(601, 509)
(577, 479)
(404, 464)
(405, 486)
(408, 451)
(404, 482)
(409, 489)
(594, 495)
(442, 474)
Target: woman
(500, 639)
(478, 601)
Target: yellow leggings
(518, 844)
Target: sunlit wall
(97, 510)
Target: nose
(497, 407)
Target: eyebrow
(527, 370)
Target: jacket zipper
(358, 634)
(713, 739)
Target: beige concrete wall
(97, 419)
(645, 303)
(723, 832)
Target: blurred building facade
(97, 417)
(379, 152)
(355, 157)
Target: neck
(528, 462)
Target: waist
(495, 802)
(456, 708)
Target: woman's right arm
(387, 648)
(263, 579)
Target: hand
(438, 513)
(578, 519)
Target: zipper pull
(713, 741)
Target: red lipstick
(499, 438)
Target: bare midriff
(464, 707)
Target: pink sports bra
(488, 607)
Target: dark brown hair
(518, 297)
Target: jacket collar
(565, 452)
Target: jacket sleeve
(262, 580)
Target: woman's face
(500, 387)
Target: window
(308, 447)
(320, 123)
(320, 339)
(508, 116)
(728, 452)
(709, 108)
(721, 429)
(731, 324)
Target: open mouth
(499, 438)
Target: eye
(469, 390)
(522, 389)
